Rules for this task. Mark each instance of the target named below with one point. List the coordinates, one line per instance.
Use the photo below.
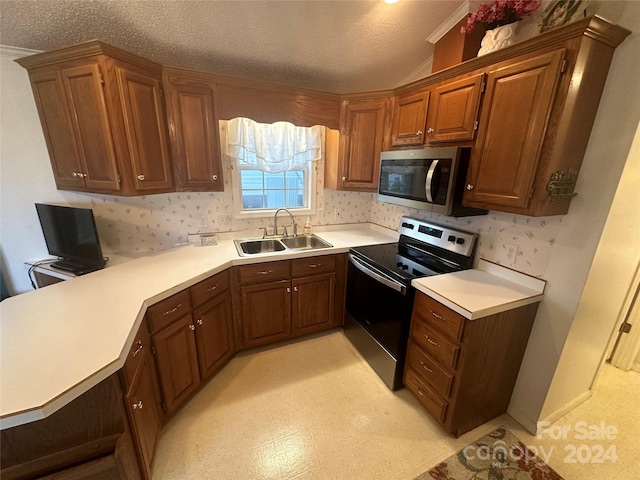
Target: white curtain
(273, 147)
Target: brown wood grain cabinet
(364, 127)
(453, 112)
(410, 118)
(463, 371)
(285, 299)
(103, 119)
(193, 133)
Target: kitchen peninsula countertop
(486, 290)
(60, 341)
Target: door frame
(624, 347)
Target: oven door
(380, 305)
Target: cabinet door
(214, 334)
(409, 119)
(313, 303)
(141, 405)
(145, 129)
(177, 361)
(266, 312)
(363, 124)
(84, 87)
(454, 110)
(515, 112)
(51, 103)
(193, 129)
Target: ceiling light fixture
(391, 1)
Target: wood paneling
(455, 47)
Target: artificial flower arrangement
(500, 12)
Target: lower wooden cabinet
(214, 334)
(463, 371)
(285, 299)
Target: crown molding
(17, 52)
(461, 12)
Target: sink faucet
(293, 223)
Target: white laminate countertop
(58, 342)
(486, 290)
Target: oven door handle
(397, 286)
(428, 184)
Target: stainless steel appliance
(379, 293)
(430, 179)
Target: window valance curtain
(275, 147)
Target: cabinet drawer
(209, 288)
(168, 310)
(304, 267)
(429, 370)
(434, 344)
(434, 405)
(264, 272)
(441, 317)
(141, 342)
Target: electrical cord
(34, 266)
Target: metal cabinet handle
(469, 186)
(192, 327)
(139, 349)
(199, 321)
(78, 175)
(295, 289)
(419, 132)
(344, 179)
(426, 368)
(288, 290)
(212, 288)
(431, 341)
(421, 394)
(265, 272)
(140, 177)
(314, 265)
(430, 130)
(74, 174)
(172, 310)
(436, 315)
(215, 177)
(138, 405)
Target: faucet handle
(264, 231)
(295, 229)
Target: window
(274, 165)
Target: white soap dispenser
(307, 227)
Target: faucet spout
(275, 222)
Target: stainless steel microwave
(430, 179)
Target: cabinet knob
(192, 327)
(199, 321)
(344, 179)
(140, 177)
(295, 289)
(74, 174)
(419, 132)
(288, 290)
(139, 349)
(137, 406)
(430, 130)
(469, 186)
(215, 178)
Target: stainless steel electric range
(379, 293)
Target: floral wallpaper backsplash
(499, 233)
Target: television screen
(70, 233)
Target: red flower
(500, 12)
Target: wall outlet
(204, 222)
(511, 253)
(224, 219)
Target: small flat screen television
(71, 235)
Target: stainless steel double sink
(266, 246)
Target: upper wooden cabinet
(514, 118)
(409, 119)
(193, 133)
(102, 118)
(354, 161)
(453, 111)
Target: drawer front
(441, 317)
(209, 288)
(169, 310)
(429, 400)
(264, 272)
(429, 370)
(141, 342)
(304, 267)
(434, 343)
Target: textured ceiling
(338, 46)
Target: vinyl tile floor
(314, 409)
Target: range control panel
(458, 241)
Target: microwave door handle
(429, 181)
